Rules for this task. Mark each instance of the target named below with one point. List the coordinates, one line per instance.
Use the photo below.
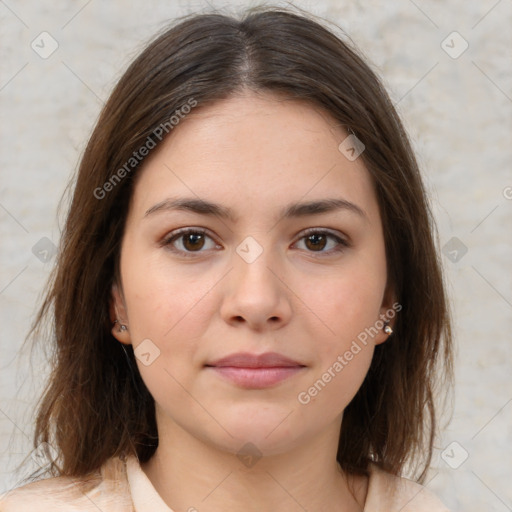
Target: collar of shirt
(386, 493)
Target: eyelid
(342, 240)
(167, 240)
(336, 234)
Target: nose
(256, 295)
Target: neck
(191, 475)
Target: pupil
(194, 238)
(315, 243)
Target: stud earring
(387, 329)
(122, 327)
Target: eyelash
(168, 241)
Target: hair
(95, 404)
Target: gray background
(457, 109)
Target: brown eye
(316, 241)
(193, 241)
(188, 241)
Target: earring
(122, 327)
(387, 329)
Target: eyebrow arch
(204, 207)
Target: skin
(254, 153)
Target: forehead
(255, 149)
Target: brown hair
(95, 405)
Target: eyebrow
(204, 207)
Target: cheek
(347, 304)
(342, 354)
(173, 312)
(163, 301)
(174, 309)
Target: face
(289, 293)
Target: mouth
(255, 371)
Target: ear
(118, 316)
(387, 315)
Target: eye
(317, 239)
(190, 240)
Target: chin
(268, 430)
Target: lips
(247, 360)
(255, 371)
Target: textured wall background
(456, 103)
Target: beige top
(122, 486)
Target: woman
(248, 305)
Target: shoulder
(390, 493)
(107, 490)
